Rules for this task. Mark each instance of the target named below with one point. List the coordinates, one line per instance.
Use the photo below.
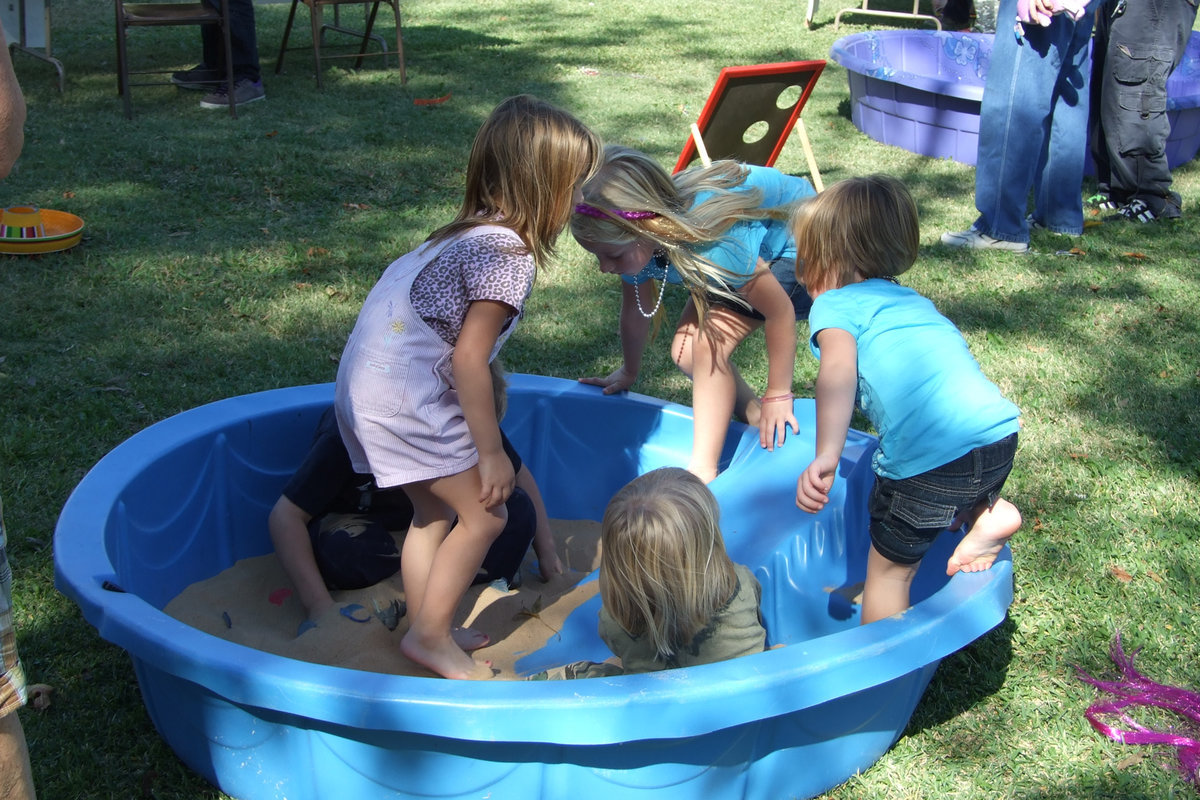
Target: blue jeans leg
(243, 41)
(1033, 128)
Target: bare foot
(444, 657)
(469, 639)
(978, 549)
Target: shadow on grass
(964, 678)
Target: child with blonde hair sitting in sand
(671, 595)
(947, 436)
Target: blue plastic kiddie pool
(187, 497)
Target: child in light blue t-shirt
(946, 434)
(722, 232)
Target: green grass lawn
(222, 257)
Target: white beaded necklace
(659, 259)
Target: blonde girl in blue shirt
(722, 232)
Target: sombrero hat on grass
(27, 229)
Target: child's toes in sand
(986, 538)
(444, 657)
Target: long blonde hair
(664, 571)
(630, 181)
(859, 228)
(526, 161)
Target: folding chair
(862, 9)
(137, 15)
(750, 113)
(370, 9)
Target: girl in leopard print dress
(414, 393)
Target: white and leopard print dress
(397, 407)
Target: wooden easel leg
(808, 154)
(700, 150)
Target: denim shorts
(784, 270)
(908, 514)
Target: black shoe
(199, 78)
(1136, 210)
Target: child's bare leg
(430, 640)
(420, 544)
(746, 406)
(715, 382)
(988, 529)
(886, 589)
(429, 527)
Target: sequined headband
(592, 211)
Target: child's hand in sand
(545, 547)
(549, 564)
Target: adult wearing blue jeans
(1032, 131)
(1138, 45)
(208, 76)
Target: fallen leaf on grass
(1129, 761)
(1134, 255)
(356, 206)
(431, 101)
(1120, 574)
(314, 252)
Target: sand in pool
(252, 603)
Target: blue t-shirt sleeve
(831, 309)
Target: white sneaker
(975, 239)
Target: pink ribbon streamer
(1137, 690)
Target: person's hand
(497, 477)
(619, 380)
(1037, 12)
(774, 419)
(812, 489)
(549, 564)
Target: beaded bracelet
(775, 398)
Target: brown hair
(859, 228)
(526, 161)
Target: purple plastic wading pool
(187, 497)
(920, 90)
